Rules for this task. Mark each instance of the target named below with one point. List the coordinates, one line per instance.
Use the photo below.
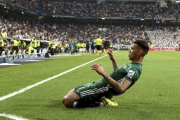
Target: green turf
(154, 97)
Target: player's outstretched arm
(118, 86)
(111, 56)
(98, 68)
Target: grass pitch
(155, 96)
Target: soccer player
(98, 45)
(76, 45)
(15, 44)
(106, 45)
(1, 45)
(120, 80)
(87, 47)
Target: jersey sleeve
(132, 75)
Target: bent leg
(70, 98)
(85, 95)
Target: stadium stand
(94, 9)
(159, 35)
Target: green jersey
(94, 41)
(130, 71)
(70, 43)
(75, 43)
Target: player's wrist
(113, 60)
(105, 75)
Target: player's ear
(140, 52)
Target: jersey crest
(125, 67)
(131, 74)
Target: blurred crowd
(47, 31)
(93, 9)
(16, 31)
(142, 10)
(164, 37)
(116, 34)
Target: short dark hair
(143, 45)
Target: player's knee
(67, 102)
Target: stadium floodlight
(177, 2)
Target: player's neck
(140, 60)
(137, 62)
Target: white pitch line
(66, 55)
(43, 81)
(6, 64)
(14, 117)
(34, 60)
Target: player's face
(133, 52)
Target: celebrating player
(120, 80)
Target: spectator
(29, 49)
(1, 45)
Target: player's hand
(98, 68)
(110, 53)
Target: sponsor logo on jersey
(125, 67)
(131, 73)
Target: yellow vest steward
(33, 38)
(50, 43)
(35, 43)
(29, 49)
(78, 45)
(83, 45)
(66, 45)
(98, 41)
(24, 44)
(15, 43)
(3, 35)
(31, 44)
(60, 45)
(38, 43)
(53, 45)
(19, 43)
(2, 43)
